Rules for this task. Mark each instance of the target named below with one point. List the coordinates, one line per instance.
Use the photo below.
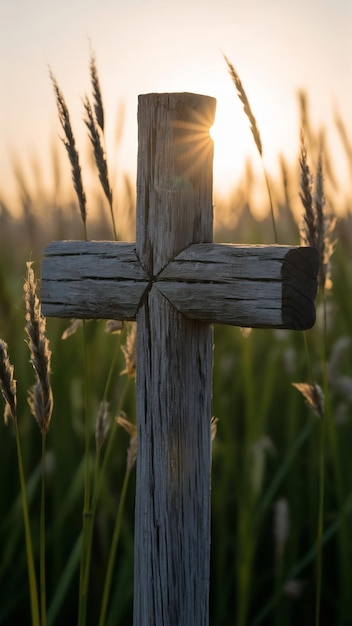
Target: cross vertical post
(174, 367)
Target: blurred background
(278, 49)
(295, 64)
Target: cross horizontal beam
(256, 286)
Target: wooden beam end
(299, 288)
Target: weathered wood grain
(92, 299)
(177, 135)
(256, 286)
(95, 279)
(78, 260)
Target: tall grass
(94, 121)
(317, 231)
(8, 389)
(267, 466)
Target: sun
(234, 144)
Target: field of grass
(267, 453)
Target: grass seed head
(318, 226)
(132, 431)
(313, 395)
(113, 327)
(213, 427)
(40, 396)
(70, 145)
(129, 351)
(97, 95)
(71, 329)
(246, 106)
(99, 153)
(309, 230)
(7, 383)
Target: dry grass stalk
(313, 395)
(319, 203)
(95, 124)
(132, 431)
(213, 427)
(129, 351)
(318, 226)
(40, 396)
(70, 145)
(305, 122)
(97, 95)
(7, 383)
(99, 153)
(72, 328)
(255, 132)
(246, 106)
(8, 389)
(306, 194)
(113, 327)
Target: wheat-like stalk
(313, 396)
(129, 351)
(255, 132)
(8, 390)
(97, 95)
(246, 106)
(96, 126)
(40, 396)
(318, 226)
(213, 427)
(99, 153)
(7, 383)
(316, 231)
(99, 157)
(131, 429)
(113, 327)
(40, 399)
(309, 229)
(70, 145)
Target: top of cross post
(174, 175)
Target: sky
(141, 46)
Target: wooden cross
(176, 282)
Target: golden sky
(277, 47)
